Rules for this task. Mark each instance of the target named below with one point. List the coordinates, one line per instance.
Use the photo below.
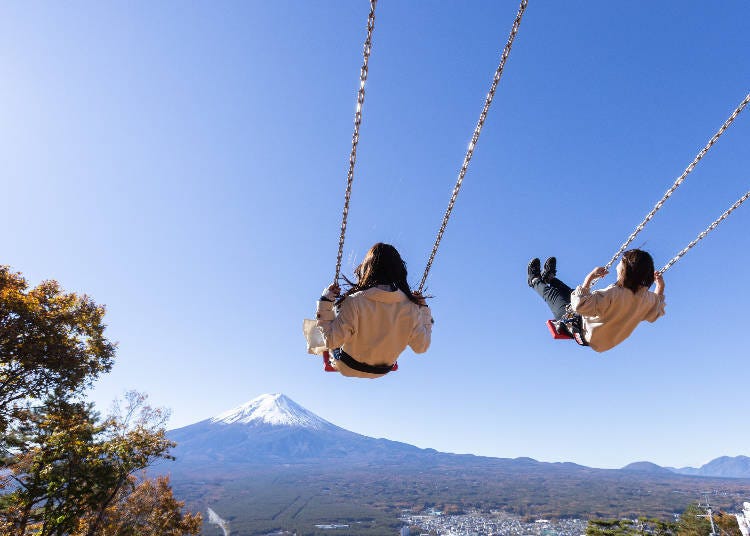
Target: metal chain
(702, 235)
(474, 139)
(355, 136)
(679, 180)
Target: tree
(133, 438)
(727, 524)
(690, 524)
(77, 469)
(53, 475)
(610, 527)
(51, 344)
(145, 508)
(64, 470)
(628, 527)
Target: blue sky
(185, 165)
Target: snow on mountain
(272, 409)
(272, 429)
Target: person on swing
(376, 318)
(606, 317)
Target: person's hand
(596, 273)
(332, 291)
(659, 280)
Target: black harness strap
(352, 363)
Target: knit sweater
(374, 326)
(610, 315)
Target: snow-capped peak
(273, 409)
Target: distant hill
(646, 467)
(725, 467)
(270, 465)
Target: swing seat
(552, 326)
(326, 363)
(328, 368)
(562, 333)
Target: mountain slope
(646, 467)
(274, 429)
(724, 466)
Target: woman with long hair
(603, 318)
(368, 326)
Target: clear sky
(185, 164)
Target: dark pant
(555, 294)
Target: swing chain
(355, 136)
(474, 140)
(678, 182)
(702, 235)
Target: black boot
(534, 271)
(550, 270)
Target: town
(494, 523)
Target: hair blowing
(639, 269)
(382, 265)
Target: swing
(467, 158)
(557, 328)
(564, 329)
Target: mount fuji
(273, 429)
(274, 410)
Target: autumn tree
(75, 473)
(694, 522)
(144, 508)
(52, 344)
(727, 524)
(63, 469)
(133, 438)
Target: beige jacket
(374, 326)
(610, 315)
